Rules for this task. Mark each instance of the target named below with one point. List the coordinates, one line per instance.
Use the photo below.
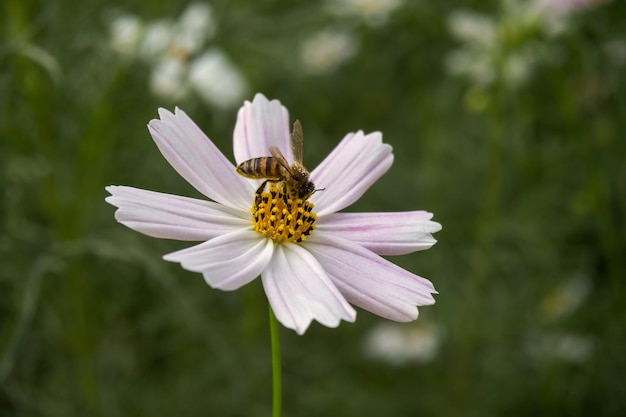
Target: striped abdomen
(263, 167)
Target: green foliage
(528, 181)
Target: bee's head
(306, 190)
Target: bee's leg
(283, 186)
(259, 191)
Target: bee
(275, 168)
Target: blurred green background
(507, 122)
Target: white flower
(400, 344)
(338, 262)
(505, 48)
(327, 50)
(181, 38)
(216, 79)
(182, 65)
(472, 27)
(126, 32)
(157, 40)
(195, 27)
(169, 79)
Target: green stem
(276, 366)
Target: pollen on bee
(281, 218)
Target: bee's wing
(297, 142)
(280, 158)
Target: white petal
(198, 160)
(299, 290)
(170, 216)
(228, 261)
(473, 28)
(157, 39)
(126, 31)
(217, 79)
(349, 170)
(396, 233)
(369, 281)
(195, 26)
(261, 124)
(169, 79)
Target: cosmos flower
(312, 260)
(182, 64)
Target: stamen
(282, 218)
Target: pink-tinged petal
(261, 124)
(383, 233)
(299, 290)
(198, 160)
(170, 216)
(229, 261)
(369, 281)
(349, 170)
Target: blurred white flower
(196, 26)
(156, 41)
(504, 48)
(327, 50)
(168, 79)
(567, 347)
(125, 33)
(181, 64)
(182, 38)
(373, 12)
(566, 298)
(472, 27)
(216, 79)
(399, 344)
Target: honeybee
(275, 168)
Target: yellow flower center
(282, 218)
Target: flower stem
(277, 388)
